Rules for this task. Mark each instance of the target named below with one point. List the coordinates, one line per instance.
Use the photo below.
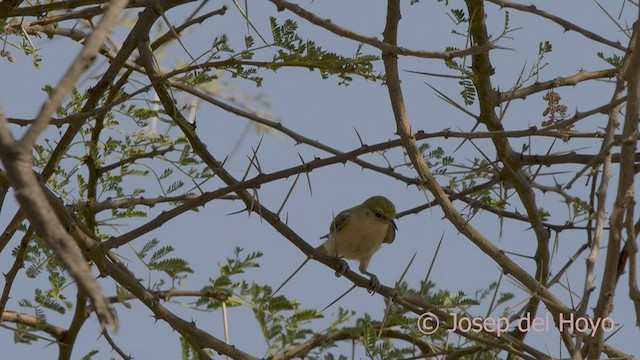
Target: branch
(302, 350)
(67, 343)
(252, 204)
(409, 143)
(13, 272)
(382, 45)
(12, 227)
(38, 10)
(108, 264)
(488, 99)
(199, 338)
(560, 21)
(151, 154)
(115, 346)
(570, 158)
(572, 80)
(17, 159)
(170, 35)
(532, 131)
(41, 216)
(82, 62)
(95, 94)
(31, 321)
(622, 212)
(128, 202)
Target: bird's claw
(342, 268)
(374, 285)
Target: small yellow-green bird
(357, 233)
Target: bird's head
(383, 209)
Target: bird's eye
(378, 215)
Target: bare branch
(91, 47)
(572, 80)
(16, 157)
(622, 214)
(13, 272)
(566, 25)
(382, 45)
(31, 321)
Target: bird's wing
(338, 222)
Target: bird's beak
(393, 223)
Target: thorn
(359, 138)
(291, 276)
(339, 297)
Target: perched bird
(357, 233)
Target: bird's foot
(374, 284)
(342, 268)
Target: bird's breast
(357, 239)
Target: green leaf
(150, 245)
(90, 354)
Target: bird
(356, 234)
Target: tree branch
(382, 45)
(566, 25)
(16, 157)
(622, 214)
